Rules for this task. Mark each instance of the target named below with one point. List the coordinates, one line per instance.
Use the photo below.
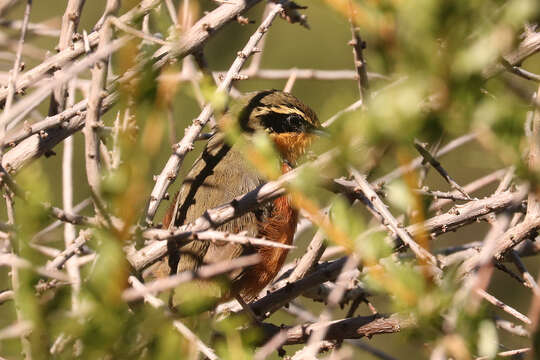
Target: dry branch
(172, 167)
(204, 272)
(352, 328)
(213, 218)
(64, 57)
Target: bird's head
(290, 123)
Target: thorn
(206, 27)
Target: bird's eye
(295, 122)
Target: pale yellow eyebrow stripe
(286, 110)
(278, 110)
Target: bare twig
(70, 21)
(6, 295)
(91, 135)
(512, 328)
(213, 218)
(529, 46)
(172, 167)
(188, 334)
(24, 106)
(6, 5)
(390, 221)
(437, 165)
(211, 235)
(69, 251)
(78, 48)
(471, 187)
(313, 253)
(283, 74)
(75, 209)
(184, 330)
(509, 353)
(128, 29)
(417, 162)
(67, 201)
(38, 29)
(353, 328)
(202, 30)
(533, 203)
(334, 298)
(4, 119)
(358, 46)
(203, 272)
(508, 309)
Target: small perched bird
(221, 173)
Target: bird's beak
(319, 132)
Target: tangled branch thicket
(389, 239)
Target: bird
(222, 173)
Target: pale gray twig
(172, 167)
(92, 124)
(508, 309)
(14, 73)
(417, 162)
(211, 235)
(212, 218)
(422, 149)
(389, 219)
(203, 272)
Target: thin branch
(184, 330)
(256, 59)
(528, 47)
(203, 272)
(509, 353)
(390, 221)
(24, 106)
(497, 175)
(59, 261)
(6, 5)
(277, 299)
(66, 56)
(508, 309)
(6, 295)
(70, 22)
(353, 328)
(512, 328)
(417, 162)
(172, 167)
(4, 119)
(90, 131)
(17, 262)
(312, 256)
(67, 202)
(334, 298)
(211, 235)
(201, 31)
(283, 74)
(80, 206)
(358, 46)
(437, 165)
(213, 218)
(128, 29)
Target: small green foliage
(346, 218)
(488, 341)
(399, 195)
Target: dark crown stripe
(283, 122)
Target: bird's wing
(218, 176)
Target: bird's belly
(279, 227)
